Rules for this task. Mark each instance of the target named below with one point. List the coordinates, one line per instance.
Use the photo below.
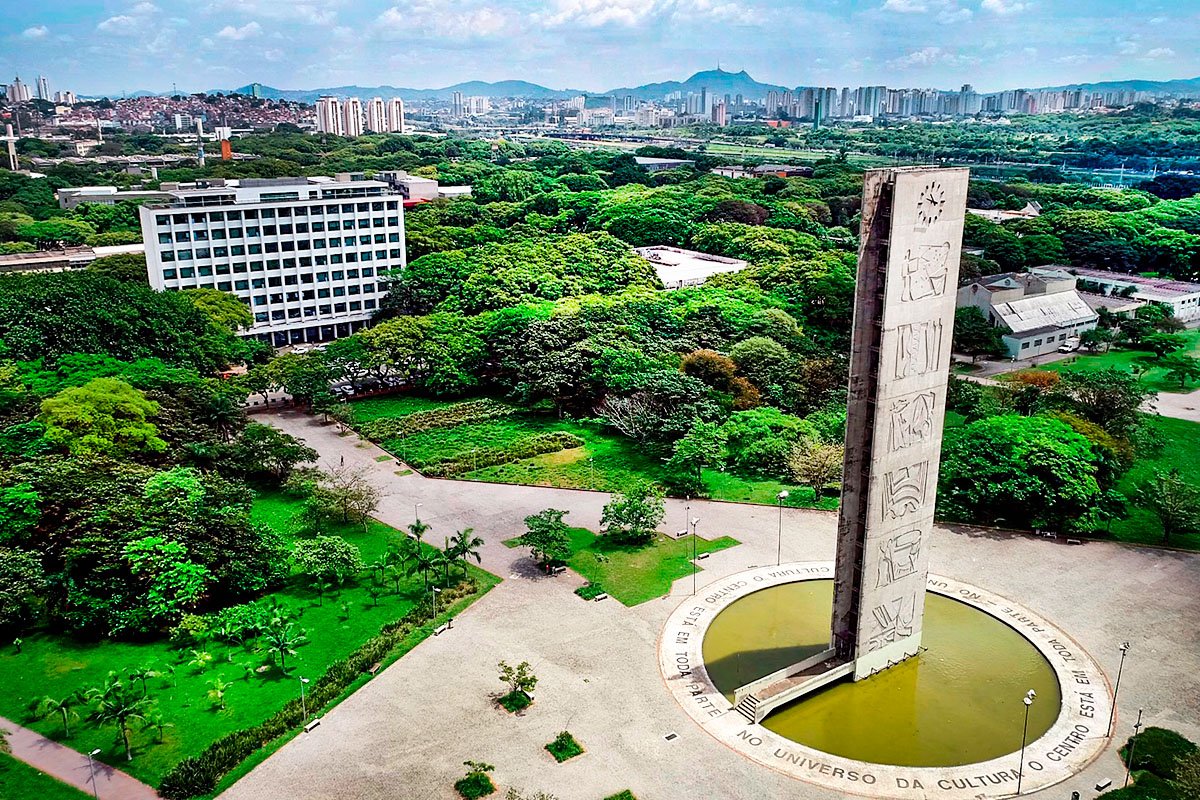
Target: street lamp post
(695, 567)
(1137, 727)
(92, 771)
(779, 546)
(303, 700)
(1117, 686)
(1028, 701)
(417, 511)
(435, 591)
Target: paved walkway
(71, 766)
(407, 732)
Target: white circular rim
(1077, 737)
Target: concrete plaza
(407, 732)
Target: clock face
(931, 203)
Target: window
(218, 233)
(368, 288)
(187, 272)
(239, 267)
(184, 255)
(339, 308)
(273, 263)
(290, 280)
(356, 305)
(393, 237)
(256, 266)
(274, 280)
(293, 313)
(1037, 342)
(167, 255)
(259, 283)
(363, 206)
(318, 227)
(252, 232)
(324, 293)
(324, 309)
(1024, 345)
(377, 206)
(368, 272)
(364, 239)
(364, 223)
(235, 233)
(310, 311)
(276, 315)
(338, 275)
(206, 271)
(268, 230)
(322, 277)
(201, 236)
(183, 236)
(180, 219)
(365, 255)
(220, 252)
(351, 258)
(224, 286)
(347, 208)
(169, 274)
(222, 269)
(233, 215)
(277, 297)
(392, 205)
(217, 216)
(164, 238)
(301, 227)
(285, 229)
(238, 250)
(285, 212)
(268, 213)
(369, 305)
(162, 219)
(288, 247)
(241, 285)
(339, 291)
(272, 247)
(393, 221)
(376, 223)
(260, 317)
(255, 249)
(251, 213)
(336, 258)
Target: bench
(1100, 787)
(375, 667)
(558, 570)
(310, 726)
(442, 629)
(1074, 541)
(703, 556)
(601, 596)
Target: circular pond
(956, 703)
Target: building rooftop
(1044, 312)
(1162, 287)
(646, 160)
(677, 267)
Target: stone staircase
(748, 708)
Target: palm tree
(418, 529)
(216, 691)
(422, 561)
(157, 721)
(118, 704)
(281, 637)
(63, 707)
(142, 674)
(466, 545)
(444, 558)
(222, 413)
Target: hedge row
(445, 417)
(198, 775)
(528, 447)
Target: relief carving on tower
(904, 490)
(911, 420)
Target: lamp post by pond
(417, 511)
(303, 700)
(1117, 686)
(1137, 727)
(1028, 701)
(92, 771)
(695, 567)
(779, 547)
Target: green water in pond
(957, 703)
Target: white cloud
(273, 54)
(36, 32)
(310, 12)
(144, 8)
(415, 18)
(121, 24)
(1004, 7)
(721, 12)
(595, 13)
(954, 15)
(1160, 52)
(928, 56)
(247, 31)
(1128, 46)
(906, 6)
(1077, 58)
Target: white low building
(1037, 311)
(1182, 298)
(678, 268)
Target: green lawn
(1181, 452)
(393, 406)
(633, 575)
(607, 462)
(1155, 376)
(19, 781)
(56, 666)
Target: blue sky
(126, 45)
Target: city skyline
(596, 45)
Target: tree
(61, 707)
(267, 453)
(104, 416)
(465, 545)
(975, 336)
(329, 559)
(703, 447)
(281, 638)
(127, 267)
(1174, 500)
(632, 516)
(816, 464)
(22, 581)
(1182, 368)
(546, 536)
(56, 232)
(174, 583)
(117, 703)
(422, 561)
(1029, 471)
(1163, 343)
(1111, 398)
(224, 309)
(519, 678)
(343, 494)
(1187, 775)
(1096, 338)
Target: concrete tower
(911, 237)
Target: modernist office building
(304, 254)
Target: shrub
(1147, 787)
(515, 701)
(563, 747)
(589, 591)
(527, 447)
(1156, 750)
(624, 794)
(198, 775)
(445, 417)
(476, 783)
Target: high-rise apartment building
(352, 117)
(376, 115)
(304, 254)
(43, 88)
(18, 91)
(329, 115)
(456, 105)
(720, 114)
(395, 115)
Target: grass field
(19, 781)
(633, 575)
(1181, 452)
(55, 666)
(607, 462)
(1154, 378)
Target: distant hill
(468, 88)
(1179, 86)
(717, 81)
